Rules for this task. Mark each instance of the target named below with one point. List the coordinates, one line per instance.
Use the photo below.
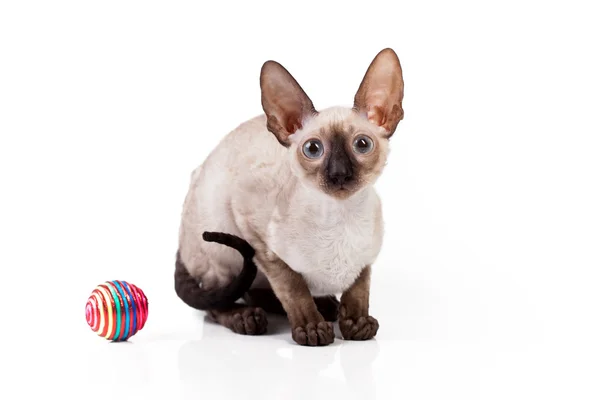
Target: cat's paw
(363, 328)
(320, 334)
(250, 321)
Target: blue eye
(313, 148)
(363, 144)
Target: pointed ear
(283, 100)
(381, 91)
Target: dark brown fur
(355, 321)
(309, 327)
(189, 290)
(241, 319)
(328, 306)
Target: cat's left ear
(381, 92)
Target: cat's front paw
(320, 334)
(363, 328)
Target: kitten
(292, 191)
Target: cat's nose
(340, 178)
(339, 166)
(339, 173)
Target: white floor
(444, 334)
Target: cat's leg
(355, 321)
(309, 328)
(242, 319)
(264, 298)
(328, 306)
(268, 301)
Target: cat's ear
(284, 102)
(381, 92)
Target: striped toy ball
(116, 310)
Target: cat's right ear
(284, 102)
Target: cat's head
(337, 150)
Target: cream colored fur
(252, 186)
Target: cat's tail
(190, 291)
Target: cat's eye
(363, 144)
(313, 148)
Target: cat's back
(241, 151)
(236, 170)
(245, 163)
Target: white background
(487, 286)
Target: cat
(283, 213)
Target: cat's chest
(330, 253)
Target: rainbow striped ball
(116, 310)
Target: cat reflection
(272, 367)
